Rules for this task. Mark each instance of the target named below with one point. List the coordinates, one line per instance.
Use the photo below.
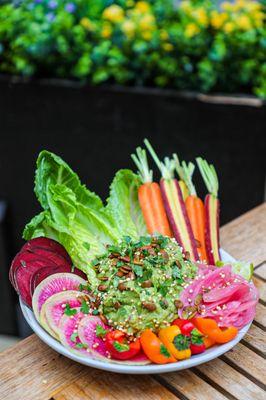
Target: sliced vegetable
(150, 197)
(197, 344)
(174, 205)
(88, 333)
(195, 209)
(180, 173)
(119, 347)
(212, 208)
(211, 329)
(154, 348)
(177, 343)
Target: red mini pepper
(119, 348)
(197, 344)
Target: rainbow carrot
(174, 205)
(212, 209)
(195, 209)
(150, 197)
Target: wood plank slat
(256, 339)
(244, 238)
(230, 380)
(261, 286)
(101, 385)
(260, 271)
(191, 386)
(260, 317)
(247, 362)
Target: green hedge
(192, 45)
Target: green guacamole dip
(140, 283)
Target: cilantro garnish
(74, 336)
(138, 270)
(70, 311)
(84, 307)
(181, 342)
(100, 331)
(196, 337)
(176, 274)
(121, 346)
(95, 312)
(84, 287)
(81, 346)
(164, 351)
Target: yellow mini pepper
(176, 343)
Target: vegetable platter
(137, 284)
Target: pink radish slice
(96, 345)
(87, 335)
(68, 326)
(48, 244)
(54, 284)
(54, 308)
(177, 215)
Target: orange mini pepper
(154, 348)
(210, 328)
(177, 343)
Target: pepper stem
(141, 162)
(166, 168)
(209, 176)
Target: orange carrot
(195, 209)
(150, 197)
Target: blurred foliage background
(186, 45)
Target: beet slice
(48, 244)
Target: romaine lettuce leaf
(123, 205)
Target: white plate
(208, 355)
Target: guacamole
(140, 283)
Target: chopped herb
(116, 281)
(145, 240)
(100, 331)
(81, 346)
(121, 346)
(176, 274)
(74, 336)
(138, 270)
(164, 351)
(163, 289)
(70, 311)
(84, 307)
(119, 263)
(84, 287)
(86, 245)
(163, 304)
(196, 337)
(113, 249)
(181, 342)
(95, 312)
(95, 262)
(127, 239)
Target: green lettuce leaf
(123, 205)
(51, 170)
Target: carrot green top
(209, 176)
(167, 167)
(185, 172)
(141, 162)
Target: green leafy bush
(194, 45)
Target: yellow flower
(167, 46)
(201, 16)
(128, 28)
(147, 22)
(114, 13)
(106, 31)
(87, 24)
(227, 6)
(164, 35)
(218, 19)
(146, 35)
(191, 30)
(243, 22)
(228, 27)
(142, 6)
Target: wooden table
(31, 370)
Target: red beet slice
(48, 244)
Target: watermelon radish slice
(54, 307)
(47, 244)
(96, 345)
(42, 273)
(87, 335)
(69, 326)
(54, 284)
